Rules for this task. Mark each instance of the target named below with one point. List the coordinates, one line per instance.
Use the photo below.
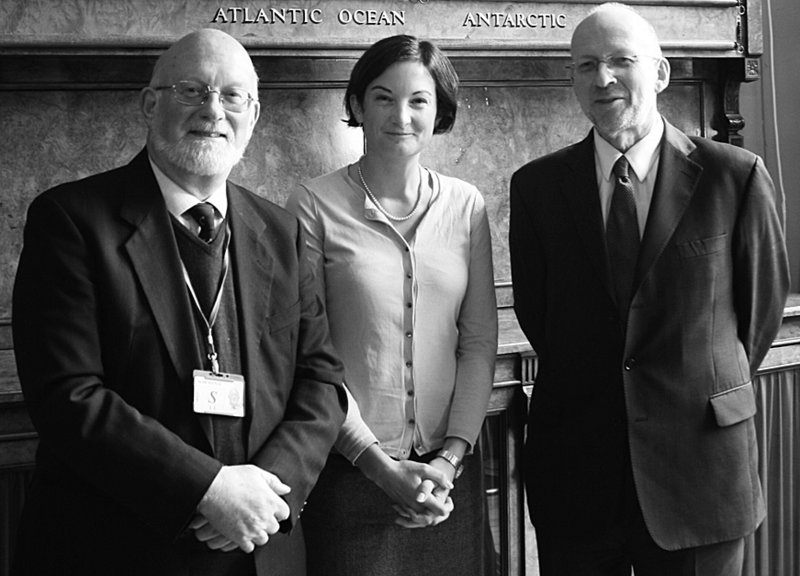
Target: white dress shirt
(643, 160)
(178, 200)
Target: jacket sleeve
(527, 267)
(298, 447)
(761, 270)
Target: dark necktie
(205, 217)
(622, 236)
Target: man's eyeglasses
(193, 93)
(615, 64)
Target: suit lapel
(675, 184)
(580, 190)
(156, 262)
(253, 268)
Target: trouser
(633, 548)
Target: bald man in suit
(172, 351)
(650, 276)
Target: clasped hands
(420, 492)
(241, 509)
(431, 503)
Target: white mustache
(209, 129)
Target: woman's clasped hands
(420, 492)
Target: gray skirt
(350, 531)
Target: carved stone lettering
(372, 17)
(513, 20)
(246, 15)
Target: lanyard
(209, 322)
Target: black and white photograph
(392, 287)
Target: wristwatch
(453, 459)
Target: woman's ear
(355, 106)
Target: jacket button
(630, 363)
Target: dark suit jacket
(105, 342)
(670, 397)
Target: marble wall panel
(57, 136)
(50, 138)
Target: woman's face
(399, 110)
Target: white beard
(200, 157)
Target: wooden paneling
(775, 549)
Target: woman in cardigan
(404, 256)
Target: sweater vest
(204, 263)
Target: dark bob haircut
(403, 48)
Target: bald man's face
(206, 139)
(618, 72)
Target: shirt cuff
(355, 436)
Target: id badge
(219, 394)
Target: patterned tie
(622, 237)
(204, 215)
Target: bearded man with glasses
(173, 352)
(650, 275)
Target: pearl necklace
(381, 208)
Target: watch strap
(453, 459)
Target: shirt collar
(179, 200)
(640, 156)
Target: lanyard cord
(209, 322)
